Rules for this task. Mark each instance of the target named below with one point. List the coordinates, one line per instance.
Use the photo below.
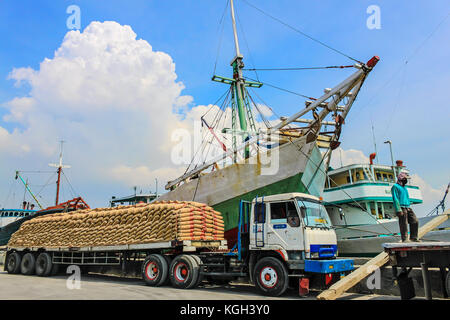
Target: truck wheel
(13, 263)
(198, 278)
(271, 276)
(168, 261)
(155, 270)
(183, 272)
(28, 264)
(44, 265)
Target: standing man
(402, 207)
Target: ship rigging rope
(46, 184)
(402, 65)
(220, 29)
(297, 68)
(350, 197)
(285, 90)
(301, 32)
(246, 44)
(74, 193)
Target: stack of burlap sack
(142, 223)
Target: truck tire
(271, 276)
(27, 266)
(183, 272)
(196, 262)
(155, 270)
(13, 261)
(44, 264)
(201, 276)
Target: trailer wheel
(168, 261)
(155, 270)
(183, 272)
(44, 264)
(271, 276)
(196, 261)
(13, 261)
(28, 264)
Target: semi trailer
(282, 239)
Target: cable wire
(300, 32)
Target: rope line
(300, 32)
(297, 68)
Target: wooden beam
(337, 289)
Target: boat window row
(357, 175)
(380, 210)
(6, 214)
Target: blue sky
(407, 103)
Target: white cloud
(431, 196)
(341, 157)
(111, 97)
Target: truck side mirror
(303, 212)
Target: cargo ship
(12, 219)
(359, 202)
(265, 158)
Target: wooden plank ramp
(337, 289)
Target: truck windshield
(316, 214)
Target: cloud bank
(111, 97)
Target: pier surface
(101, 287)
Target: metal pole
(392, 156)
(57, 185)
(375, 143)
(26, 186)
(236, 42)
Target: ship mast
(238, 95)
(60, 166)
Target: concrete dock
(101, 287)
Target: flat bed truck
(281, 239)
(423, 255)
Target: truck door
(284, 227)
(259, 233)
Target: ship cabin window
(378, 176)
(385, 178)
(391, 178)
(348, 179)
(358, 175)
(380, 211)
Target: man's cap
(403, 175)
